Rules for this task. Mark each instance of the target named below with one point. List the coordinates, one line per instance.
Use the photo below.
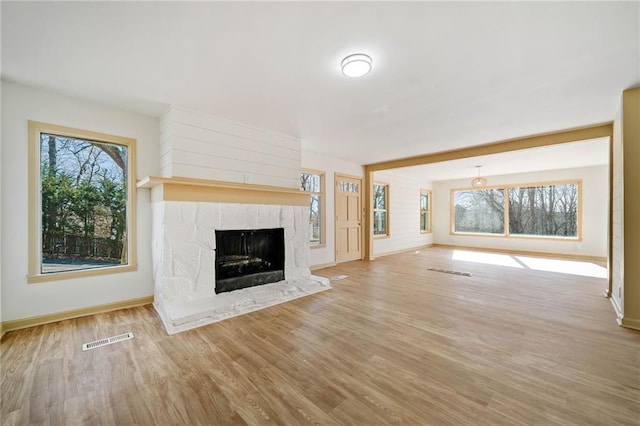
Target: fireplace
(197, 260)
(248, 258)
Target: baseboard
(75, 313)
(630, 323)
(617, 309)
(322, 266)
(390, 253)
(569, 256)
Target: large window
(548, 210)
(425, 211)
(380, 209)
(313, 182)
(479, 211)
(532, 210)
(81, 203)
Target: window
(540, 210)
(82, 205)
(313, 182)
(479, 211)
(547, 210)
(380, 209)
(425, 211)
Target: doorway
(348, 202)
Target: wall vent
(107, 341)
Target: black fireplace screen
(248, 257)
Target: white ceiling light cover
(356, 65)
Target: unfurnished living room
(349, 213)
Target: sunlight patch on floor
(486, 258)
(573, 267)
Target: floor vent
(339, 277)
(448, 271)
(107, 341)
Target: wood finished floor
(393, 343)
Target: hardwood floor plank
(393, 343)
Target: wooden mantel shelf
(189, 189)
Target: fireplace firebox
(248, 257)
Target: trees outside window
(479, 211)
(546, 210)
(313, 182)
(81, 200)
(380, 209)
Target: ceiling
(445, 75)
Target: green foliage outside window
(83, 188)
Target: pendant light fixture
(478, 182)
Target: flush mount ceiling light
(478, 182)
(356, 65)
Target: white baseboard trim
(390, 253)
(617, 309)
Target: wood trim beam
(535, 141)
(367, 216)
(631, 208)
(187, 189)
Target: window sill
(83, 273)
(317, 246)
(426, 232)
(381, 237)
(516, 237)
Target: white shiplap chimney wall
(200, 146)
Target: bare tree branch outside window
(312, 183)
(544, 210)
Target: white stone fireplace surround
(186, 214)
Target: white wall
(330, 166)
(595, 195)
(22, 300)
(404, 212)
(201, 146)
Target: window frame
(386, 210)
(506, 233)
(429, 210)
(35, 275)
(323, 209)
